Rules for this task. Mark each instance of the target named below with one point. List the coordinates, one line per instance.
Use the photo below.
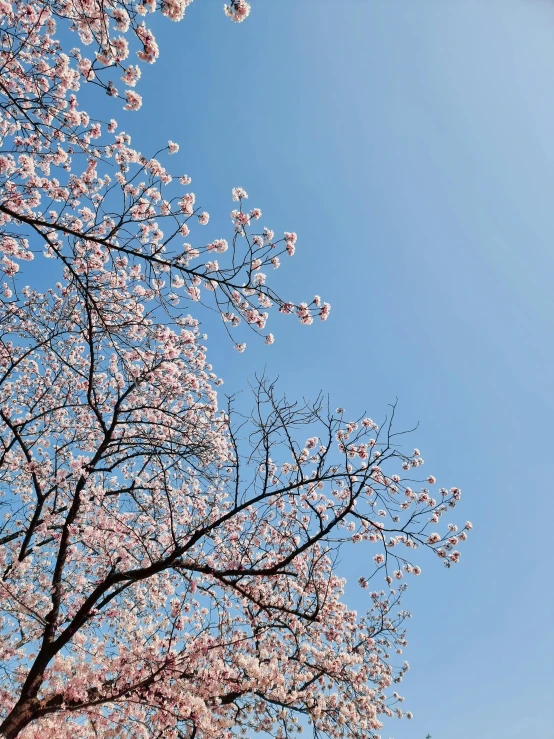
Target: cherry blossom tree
(168, 568)
(73, 188)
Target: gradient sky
(410, 143)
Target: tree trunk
(19, 717)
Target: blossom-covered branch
(73, 188)
(160, 568)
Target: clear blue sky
(410, 143)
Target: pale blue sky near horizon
(410, 144)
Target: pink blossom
(239, 193)
(238, 10)
(134, 100)
(131, 76)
